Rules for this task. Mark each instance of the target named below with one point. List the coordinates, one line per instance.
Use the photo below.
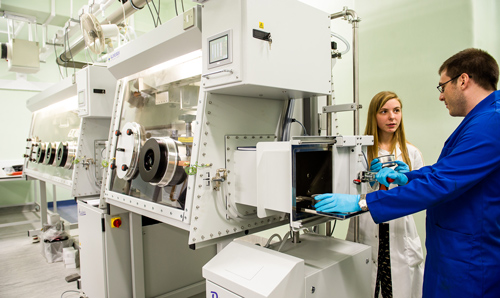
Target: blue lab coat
(461, 193)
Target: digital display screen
(218, 49)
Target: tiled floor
(24, 271)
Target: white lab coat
(407, 264)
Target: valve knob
(129, 132)
(117, 132)
(124, 167)
(112, 166)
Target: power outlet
(188, 17)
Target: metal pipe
(355, 66)
(353, 18)
(115, 17)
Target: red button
(116, 223)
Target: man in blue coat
(461, 191)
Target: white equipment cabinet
(101, 268)
(200, 142)
(319, 266)
(159, 264)
(67, 135)
(257, 48)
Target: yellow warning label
(261, 25)
(186, 140)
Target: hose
(348, 46)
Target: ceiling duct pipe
(130, 7)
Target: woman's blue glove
(375, 166)
(334, 202)
(402, 167)
(387, 176)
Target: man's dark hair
(478, 64)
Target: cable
(154, 21)
(271, 238)
(303, 127)
(70, 291)
(176, 12)
(58, 67)
(66, 67)
(70, 53)
(232, 210)
(348, 46)
(330, 233)
(90, 55)
(285, 239)
(157, 11)
(182, 2)
(366, 160)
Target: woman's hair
(377, 102)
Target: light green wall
(402, 46)
(15, 120)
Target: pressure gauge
(161, 161)
(128, 146)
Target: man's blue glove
(387, 174)
(402, 167)
(334, 202)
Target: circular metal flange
(50, 153)
(128, 146)
(159, 161)
(65, 155)
(40, 153)
(387, 160)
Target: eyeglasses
(440, 87)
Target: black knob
(112, 166)
(117, 132)
(26, 155)
(124, 167)
(120, 149)
(129, 132)
(28, 140)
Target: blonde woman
(397, 240)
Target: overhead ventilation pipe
(130, 7)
